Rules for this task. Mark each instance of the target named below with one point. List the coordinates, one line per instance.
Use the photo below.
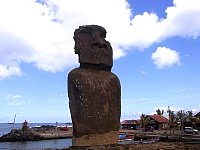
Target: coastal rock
(94, 91)
(19, 135)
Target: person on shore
(25, 126)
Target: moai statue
(94, 91)
(25, 126)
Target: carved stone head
(91, 46)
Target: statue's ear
(76, 46)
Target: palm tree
(188, 118)
(172, 121)
(159, 112)
(189, 114)
(181, 118)
(144, 120)
(191, 119)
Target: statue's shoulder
(76, 70)
(73, 72)
(115, 78)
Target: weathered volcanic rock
(94, 91)
(20, 135)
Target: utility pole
(169, 111)
(56, 128)
(182, 118)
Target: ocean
(32, 145)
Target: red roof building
(158, 122)
(129, 124)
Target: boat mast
(14, 121)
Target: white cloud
(175, 109)
(143, 72)
(29, 35)
(165, 108)
(195, 110)
(6, 71)
(42, 34)
(182, 19)
(133, 115)
(16, 100)
(165, 57)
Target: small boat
(126, 136)
(63, 128)
(35, 127)
(132, 141)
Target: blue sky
(156, 54)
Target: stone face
(94, 91)
(91, 46)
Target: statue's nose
(99, 44)
(98, 41)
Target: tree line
(177, 120)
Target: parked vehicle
(190, 130)
(63, 128)
(148, 129)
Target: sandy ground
(153, 146)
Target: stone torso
(96, 100)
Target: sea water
(32, 145)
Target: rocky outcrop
(20, 135)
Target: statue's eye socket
(93, 36)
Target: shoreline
(158, 145)
(162, 134)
